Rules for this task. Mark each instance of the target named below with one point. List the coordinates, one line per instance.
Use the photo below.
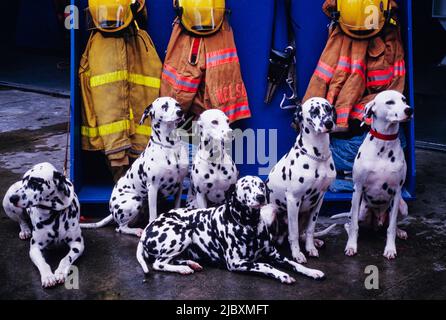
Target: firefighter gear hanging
(119, 77)
(204, 72)
(351, 72)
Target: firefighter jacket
(204, 73)
(119, 77)
(351, 72)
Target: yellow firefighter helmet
(201, 17)
(363, 19)
(112, 15)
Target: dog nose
(329, 124)
(14, 199)
(408, 112)
(261, 198)
(180, 113)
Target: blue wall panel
(252, 23)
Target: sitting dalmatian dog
(298, 182)
(213, 171)
(379, 172)
(47, 199)
(159, 170)
(233, 235)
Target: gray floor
(30, 133)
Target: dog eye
(404, 99)
(390, 102)
(215, 122)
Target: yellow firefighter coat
(119, 78)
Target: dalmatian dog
(298, 182)
(379, 172)
(46, 199)
(213, 170)
(233, 235)
(159, 170)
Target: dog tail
(325, 231)
(141, 259)
(341, 215)
(99, 224)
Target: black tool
(282, 65)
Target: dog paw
(185, 270)
(390, 253)
(401, 234)
(60, 277)
(318, 243)
(195, 266)
(317, 274)
(25, 234)
(313, 252)
(350, 250)
(299, 257)
(48, 280)
(287, 279)
(139, 232)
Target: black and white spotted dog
(213, 170)
(159, 170)
(233, 235)
(379, 172)
(298, 182)
(47, 199)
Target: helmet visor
(202, 20)
(109, 17)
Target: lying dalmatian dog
(233, 235)
(159, 170)
(379, 171)
(298, 182)
(46, 198)
(213, 171)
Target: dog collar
(381, 136)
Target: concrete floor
(109, 270)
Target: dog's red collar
(386, 137)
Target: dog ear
(369, 110)
(62, 184)
(230, 193)
(65, 191)
(298, 114)
(145, 114)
